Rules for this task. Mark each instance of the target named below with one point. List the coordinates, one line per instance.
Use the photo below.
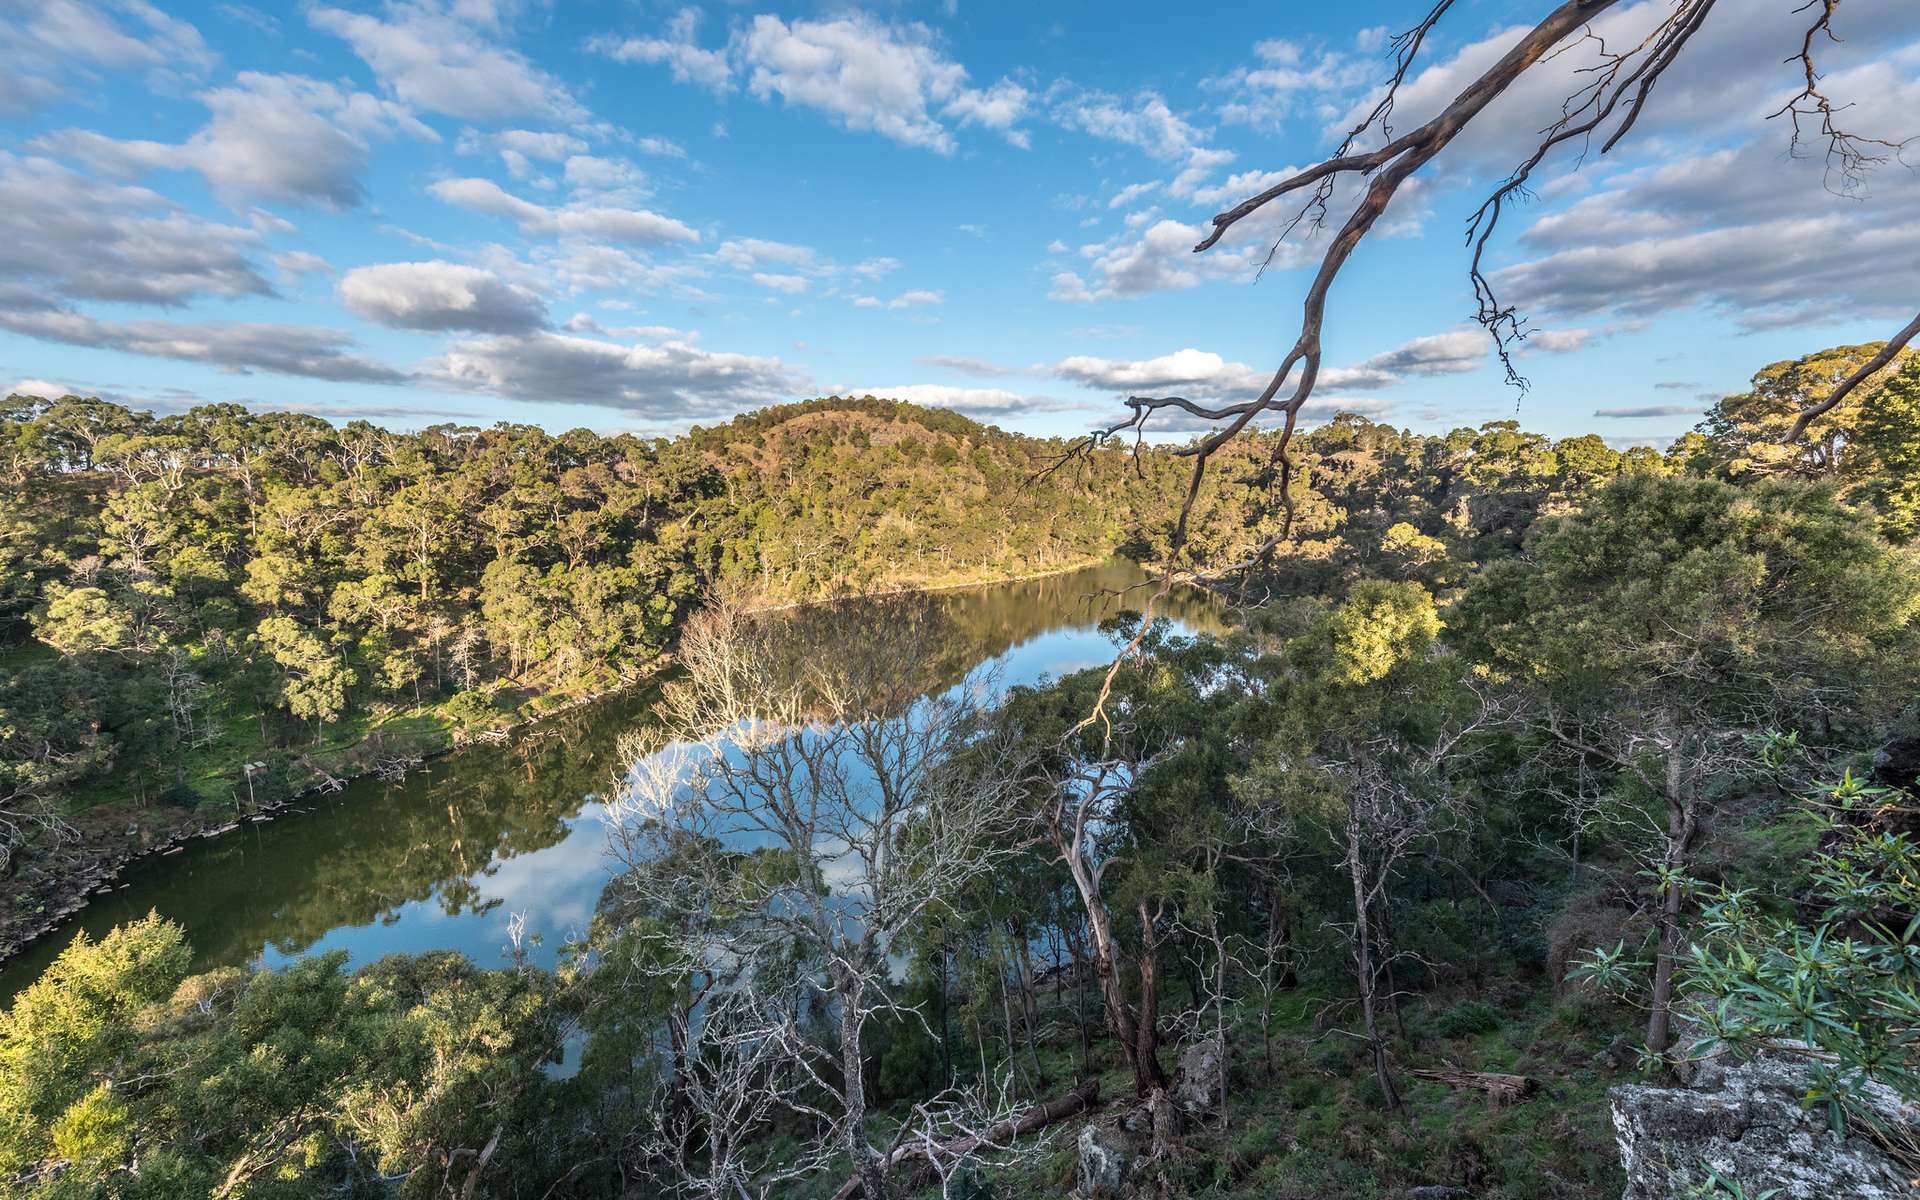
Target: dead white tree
(811, 807)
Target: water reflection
(438, 861)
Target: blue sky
(641, 216)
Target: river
(441, 859)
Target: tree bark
(1680, 827)
(1363, 961)
(1081, 1098)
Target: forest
(1528, 768)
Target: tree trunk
(853, 1091)
(1680, 825)
(1105, 952)
(1363, 961)
(1147, 1074)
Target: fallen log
(1026, 1121)
(1502, 1089)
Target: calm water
(440, 860)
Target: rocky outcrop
(1745, 1122)
(1105, 1162)
(1203, 1069)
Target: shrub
(1466, 1019)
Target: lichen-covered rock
(1745, 1122)
(1203, 1068)
(1105, 1163)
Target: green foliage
(1842, 986)
(1467, 1019)
(75, 1023)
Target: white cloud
(633, 226)
(1206, 376)
(1286, 80)
(241, 347)
(46, 389)
(967, 365)
(608, 177)
(442, 64)
(49, 46)
(917, 299)
(277, 137)
(790, 284)
(86, 239)
(441, 296)
(671, 380)
(677, 50)
(891, 80)
(975, 402)
(293, 264)
(1650, 410)
(743, 254)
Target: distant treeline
(183, 595)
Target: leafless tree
(1610, 88)
(1077, 803)
(810, 808)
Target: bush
(1466, 1019)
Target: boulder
(1203, 1069)
(1745, 1122)
(1105, 1163)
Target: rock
(1897, 764)
(1105, 1163)
(1203, 1068)
(1619, 1053)
(1745, 1122)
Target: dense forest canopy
(1526, 757)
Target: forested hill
(839, 495)
(182, 596)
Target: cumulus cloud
(917, 299)
(677, 50)
(865, 74)
(1147, 123)
(632, 226)
(1205, 375)
(441, 296)
(50, 45)
(1286, 79)
(1690, 232)
(86, 239)
(274, 137)
(1678, 226)
(891, 80)
(1160, 258)
(1451, 353)
(240, 347)
(441, 64)
(671, 380)
(790, 284)
(744, 254)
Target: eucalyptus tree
(811, 807)
(1659, 629)
(1369, 722)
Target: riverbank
(111, 838)
(105, 841)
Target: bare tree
(814, 807)
(1609, 91)
(1077, 803)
